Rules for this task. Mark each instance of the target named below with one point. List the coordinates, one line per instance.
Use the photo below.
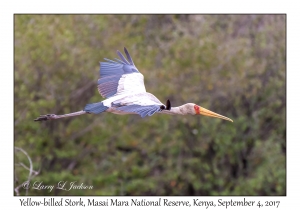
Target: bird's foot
(46, 117)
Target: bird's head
(194, 109)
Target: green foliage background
(234, 65)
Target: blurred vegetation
(234, 65)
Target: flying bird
(122, 85)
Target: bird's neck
(178, 110)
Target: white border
(117, 6)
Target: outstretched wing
(120, 77)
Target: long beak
(206, 112)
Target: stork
(122, 85)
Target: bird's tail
(95, 108)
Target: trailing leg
(94, 108)
(54, 116)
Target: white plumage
(131, 83)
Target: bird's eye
(162, 107)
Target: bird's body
(123, 87)
(138, 99)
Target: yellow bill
(206, 112)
